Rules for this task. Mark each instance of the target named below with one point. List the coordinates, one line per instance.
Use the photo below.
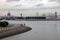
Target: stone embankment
(15, 29)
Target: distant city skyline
(29, 7)
(29, 12)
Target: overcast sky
(28, 3)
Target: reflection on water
(41, 30)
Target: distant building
(44, 15)
(37, 14)
(9, 14)
(21, 14)
(50, 16)
(55, 15)
(58, 16)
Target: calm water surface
(41, 30)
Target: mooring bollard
(21, 24)
(24, 24)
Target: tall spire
(55, 15)
(21, 14)
(37, 14)
(8, 14)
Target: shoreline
(14, 31)
(36, 20)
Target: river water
(41, 30)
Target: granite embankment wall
(14, 30)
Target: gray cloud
(52, 0)
(59, 1)
(11, 0)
